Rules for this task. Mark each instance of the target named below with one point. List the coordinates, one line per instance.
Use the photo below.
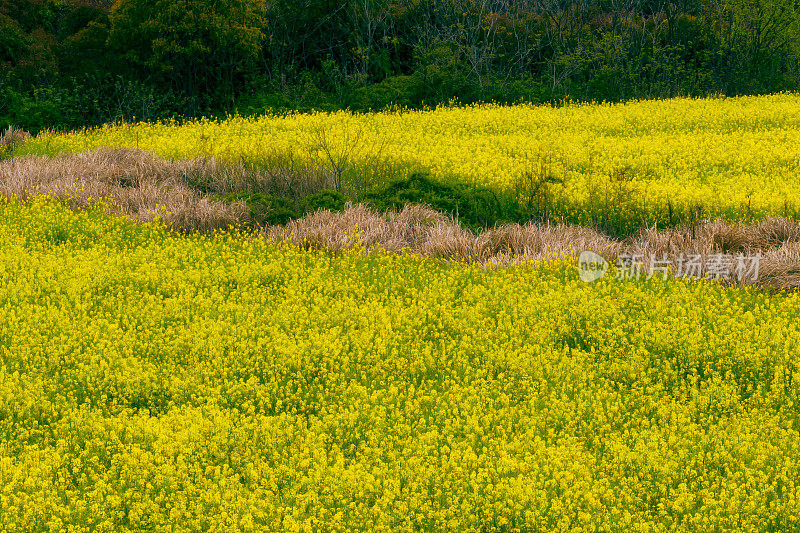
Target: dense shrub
(326, 199)
(265, 208)
(475, 207)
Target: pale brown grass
(140, 186)
(143, 185)
(429, 233)
(11, 138)
(131, 183)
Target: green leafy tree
(200, 47)
(13, 41)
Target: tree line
(74, 63)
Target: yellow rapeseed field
(735, 157)
(151, 381)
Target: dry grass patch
(11, 138)
(141, 186)
(131, 183)
(429, 233)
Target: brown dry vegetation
(131, 183)
(135, 184)
(12, 137)
(427, 232)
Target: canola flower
(163, 382)
(738, 158)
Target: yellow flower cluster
(736, 157)
(151, 381)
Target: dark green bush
(475, 207)
(401, 91)
(265, 208)
(325, 199)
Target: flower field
(151, 381)
(651, 161)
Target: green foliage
(159, 58)
(400, 91)
(475, 207)
(270, 209)
(13, 41)
(443, 74)
(89, 101)
(202, 47)
(34, 111)
(325, 199)
(265, 208)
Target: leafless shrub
(276, 172)
(11, 138)
(352, 158)
(534, 187)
